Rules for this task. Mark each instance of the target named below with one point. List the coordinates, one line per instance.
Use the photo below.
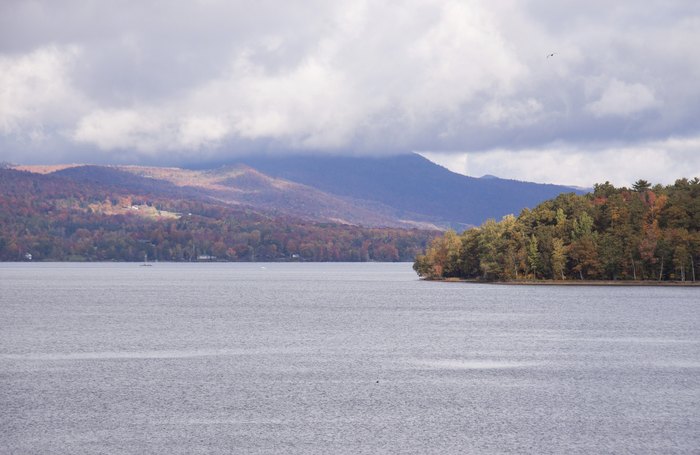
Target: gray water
(339, 358)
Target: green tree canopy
(648, 233)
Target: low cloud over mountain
(193, 82)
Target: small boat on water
(145, 261)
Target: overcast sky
(466, 83)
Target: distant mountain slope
(400, 191)
(411, 184)
(115, 178)
(243, 185)
(240, 185)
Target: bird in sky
(551, 55)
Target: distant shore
(577, 282)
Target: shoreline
(634, 283)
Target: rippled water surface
(339, 358)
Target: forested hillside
(642, 233)
(53, 217)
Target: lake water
(339, 358)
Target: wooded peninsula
(643, 233)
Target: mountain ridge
(406, 191)
(412, 183)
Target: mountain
(406, 191)
(238, 185)
(283, 208)
(99, 213)
(412, 185)
(241, 184)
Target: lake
(339, 358)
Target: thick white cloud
(36, 91)
(339, 89)
(123, 128)
(182, 81)
(656, 161)
(339, 94)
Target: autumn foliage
(60, 219)
(642, 233)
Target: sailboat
(145, 261)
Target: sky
(470, 84)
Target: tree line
(641, 233)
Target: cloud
(516, 113)
(248, 102)
(196, 132)
(656, 161)
(620, 98)
(335, 96)
(147, 133)
(121, 129)
(213, 79)
(310, 105)
(36, 92)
